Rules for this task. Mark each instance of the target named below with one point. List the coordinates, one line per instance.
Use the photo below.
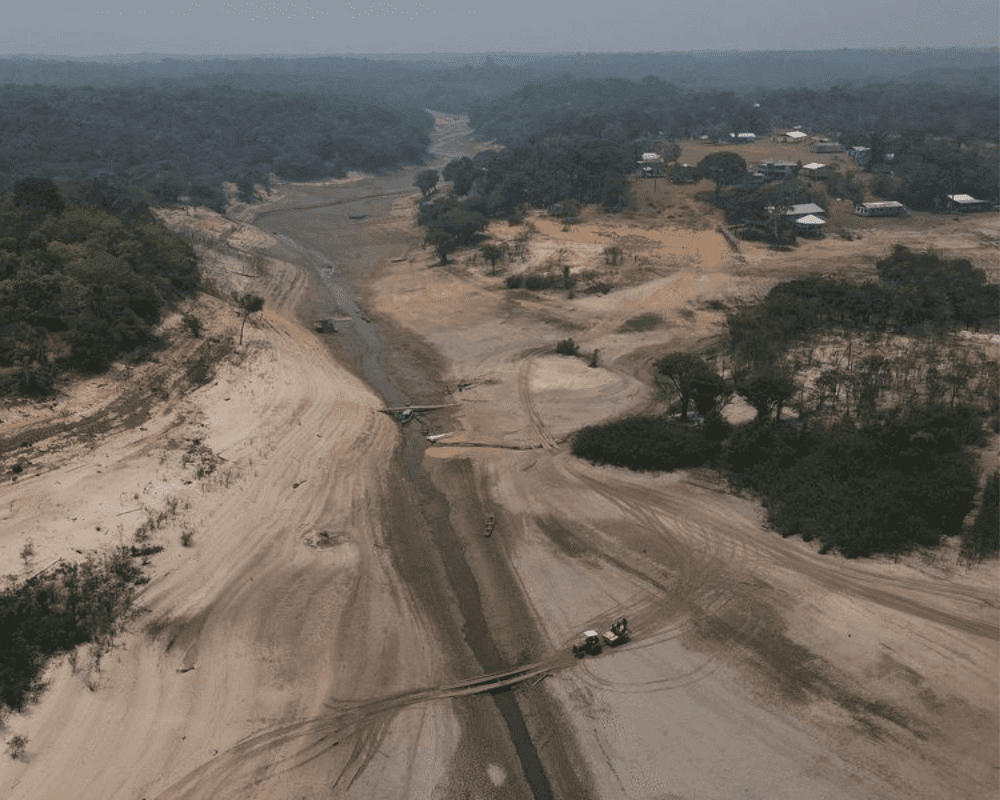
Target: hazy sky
(96, 27)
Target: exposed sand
(757, 669)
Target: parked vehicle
(591, 645)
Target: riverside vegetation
(80, 286)
(888, 409)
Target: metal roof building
(885, 208)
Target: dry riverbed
(308, 644)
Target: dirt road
(343, 627)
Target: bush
(644, 443)
(643, 322)
(193, 324)
(982, 538)
(898, 482)
(187, 536)
(16, 746)
(533, 282)
(567, 347)
(57, 610)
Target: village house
(815, 170)
(860, 154)
(777, 170)
(651, 165)
(807, 218)
(792, 136)
(828, 147)
(804, 209)
(809, 225)
(883, 208)
(965, 202)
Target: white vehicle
(618, 634)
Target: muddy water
(317, 233)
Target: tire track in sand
(524, 394)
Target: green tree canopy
(426, 181)
(694, 378)
(767, 388)
(723, 168)
(450, 224)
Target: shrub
(644, 443)
(643, 322)
(532, 282)
(567, 347)
(57, 610)
(187, 536)
(16, 746)
(193, 324)
(982, 538)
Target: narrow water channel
(303, 234)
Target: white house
(777, 170)
(810, 225)
(815, 170)
(884, 208)
(965, 202)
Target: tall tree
(249, 304)
(694, 379)
(426, 181)
(766, 388)
(878, 144)
(450, 224)
(723, 168)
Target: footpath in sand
(293, 650)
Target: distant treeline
(173, 142)
(450, 82)
(617, 109)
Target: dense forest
(887, 405)
(542, 171)
(174, 142)
(451, 82)
(578, 139)
(79, 285)
(618, 109)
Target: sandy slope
(253, 625)
(758, 668)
